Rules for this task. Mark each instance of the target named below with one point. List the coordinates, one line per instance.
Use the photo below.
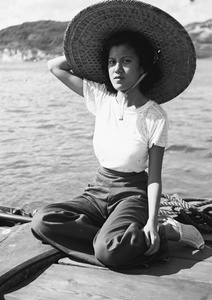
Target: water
(46, 133)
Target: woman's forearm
(154, 197)
(154, 182)
(151, 228)
(61, 69)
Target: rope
(201, 227)
(188, 213)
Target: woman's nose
(118, 67)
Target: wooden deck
(186, 276)
(180, 278)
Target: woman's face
(123, 67)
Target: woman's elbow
(58, 63)
(50, 65)
(155, 178)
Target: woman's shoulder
(94, 87)
(96, 95)
(155, 111)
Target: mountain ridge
(42, 40)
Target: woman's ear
(141, 70)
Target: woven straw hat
(91, 28)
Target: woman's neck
(134, 98)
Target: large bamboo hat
(91, 28)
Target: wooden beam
(22, 255)
(163, 281)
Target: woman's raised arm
(60, 68)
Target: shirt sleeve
(158, 130)
(93, 93)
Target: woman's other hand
(152, 238)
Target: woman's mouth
(118, 78)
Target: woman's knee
(118, 258)
(48, 218)
(104, 255)
(37, 223)
(120, 250)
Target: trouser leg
(60, 223)
(121, 243)
(113, 199)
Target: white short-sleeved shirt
(123, 145)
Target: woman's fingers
(147, 239)
(153, 243)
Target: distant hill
(33, 41)
(201, 35)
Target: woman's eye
(111, 62)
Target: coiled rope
(198, 214)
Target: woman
(118, 212)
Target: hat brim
(90, 29)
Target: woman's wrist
(153, 221)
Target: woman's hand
(152, 238)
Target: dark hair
(146, 54)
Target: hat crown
(90, 29)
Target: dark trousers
(110, 214)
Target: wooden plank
(22, 255)
(6, 231)
(68, 261)
(163, 281)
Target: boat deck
(30, 271)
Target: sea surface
(46, 132)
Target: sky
(15, 12)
